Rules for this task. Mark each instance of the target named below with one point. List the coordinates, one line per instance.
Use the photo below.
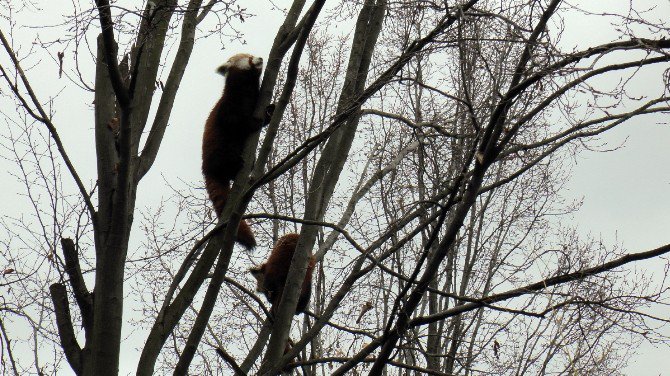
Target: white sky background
(625, 192)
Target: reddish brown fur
(218, 193)
(227, 129)
(272, 274)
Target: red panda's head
(240, 63)
(258, 272)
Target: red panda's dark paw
(248, 246)
(269, 111)
(249, 243)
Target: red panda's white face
(258, 272)
(242, 62)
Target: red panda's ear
(222, 70)
(257, 271)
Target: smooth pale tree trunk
(123, 97)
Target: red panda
(227, 129)
(271, 276)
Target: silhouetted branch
(46, 120)
(107, 28)
(81, 293)
(541, 285)
(68, 339)
(230, 360)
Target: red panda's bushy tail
(218, 194)
(245, 236)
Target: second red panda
(271, 275)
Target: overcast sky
(625, 192)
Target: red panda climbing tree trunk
(227, 129)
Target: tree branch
(210, 297)
(354, 104)
(44, 119)
(230, 360)
(579, 80)
(542, 285)
(81, 293)
(107, 27)
(409, 367)
(567, 138)
(494, 129)
(68, 339)
(414, 125)
(8, 343)
(152, 145)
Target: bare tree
(419, 156)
